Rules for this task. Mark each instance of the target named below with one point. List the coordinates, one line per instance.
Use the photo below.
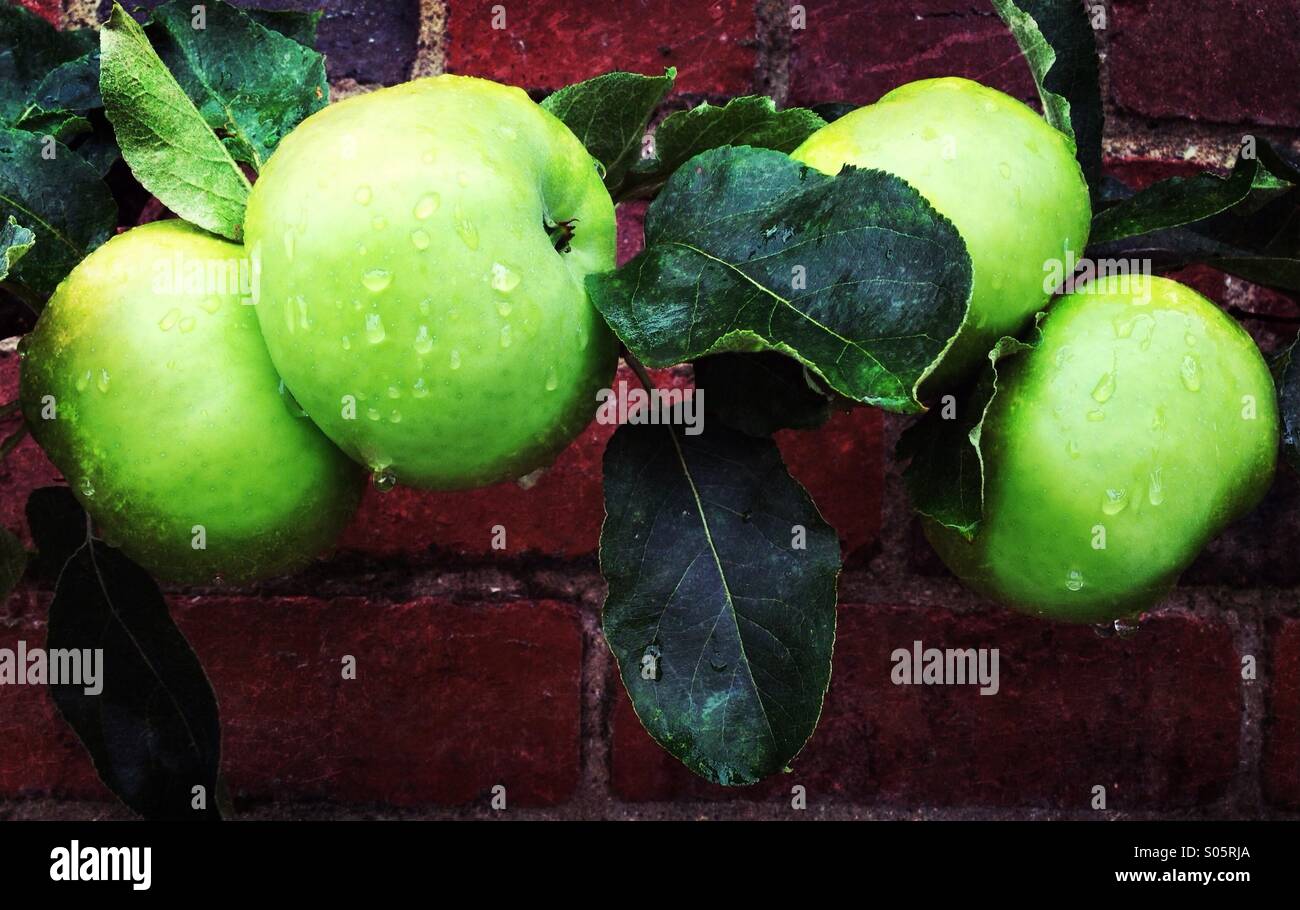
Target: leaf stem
(642, 375)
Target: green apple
(147, 383)
(1139, 425)
(422, 252)
(1007, 180)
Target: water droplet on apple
(83, 381)
(374, 328)
(1074, 580)
(420, 239)
(87, 488)
(394, 392)
(552, 380)
(466, 229)
(383, 480)
(505, 336)
(1155, 489)
(454, 359)
(503, 308)
(186, 324)
(1104, 388)
(1114, 502)
(1191, 373)
(372, 413)
(427, 205)
(1096, 415)
(363, 195)
(1005, 170)
(377, 280)
(168, 321)
(503, 278)
(419, 389)
(102, 382)
(423, 340)
(379, 222)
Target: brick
(371, 41)
(26, 467)
(547, 44)
(841, 465)
(855, 52)
(449, 701)
(1153, 718)
(50, 10)
(1140, 171)
(1280, 771)
(40, 755)
(1168, 61)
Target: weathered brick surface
(854, 51)
(1281, 765)
(26, 467)
(365, 40)
(449, 700)
(547, 44)
(1233, 61)
(39, 754)
(1154, 719)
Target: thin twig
(639, 369)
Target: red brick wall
(478, 667)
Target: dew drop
(424, 306)
(394, 392)
(505, 336)
(372, 413)
(1096, 415)
(582, 338)
(211, 304)
(87, 488)
(504, 308)
(454, 360)
(374, 328)
(186, 324)
(383, 480)
(1191, 373)
(427, 205)
(1114, 502)
(379, 222)
(466, 229)
(419, 389)
(167, 322)
(423, 340)
(552, 380)
(1005, 170)
(1104, 388)
(1072, 448)
(395, 416)
(363, 195)
(1190, 339)
(1155, 489)
(83, 381)
(102, 382)
(1074, 580)
(503, 278)
(420, 239)
(347, 343)
(377, 280)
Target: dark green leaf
(609, 115)
(752, 120)
(722, 627)
(1286, 372)
(856, 275)
(64, 126)
(761, 393)
(15, 241)
(13, 560)
(73, 86)
(945, 474)
(30, 48)
(301, 27)
(1184, 200)
(100, 147)
(1057, 40)
(251, 84)
(152, 729)
(58, 526)
(60, 197)
(170, 147)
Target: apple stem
(561, 233)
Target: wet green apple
(1007, 180)
(1141, 423)
(147, 383)
(422, 252)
